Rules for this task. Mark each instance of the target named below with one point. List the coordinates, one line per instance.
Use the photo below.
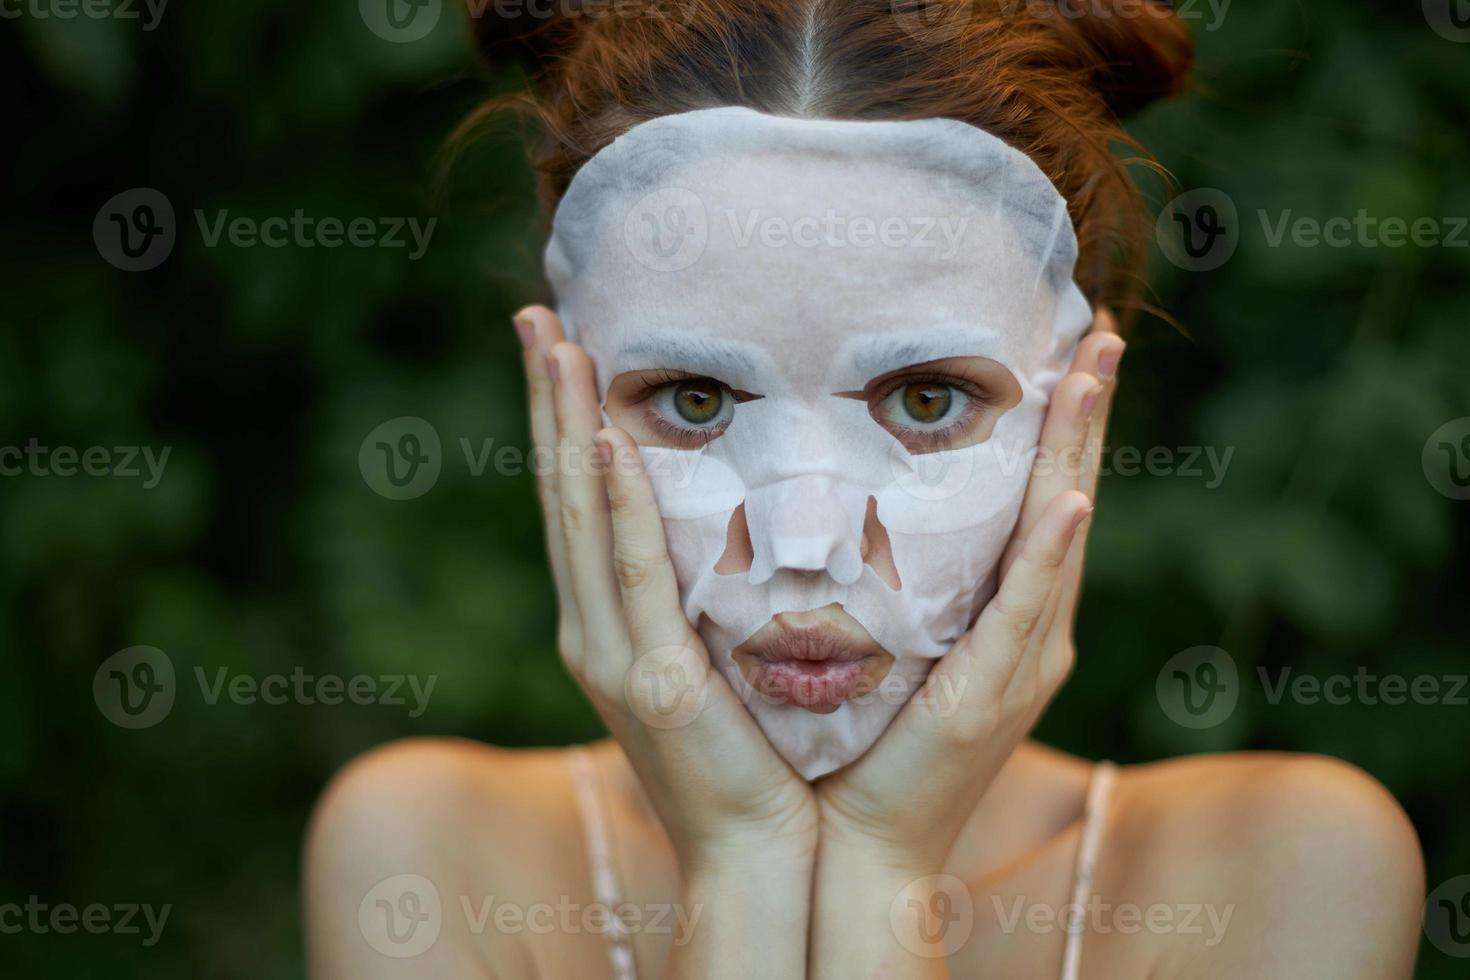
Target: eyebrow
(873, 356)
(693, 354)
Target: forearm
(747, 918)
(873, 917)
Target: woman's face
(837, 388)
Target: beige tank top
(607, 889)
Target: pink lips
(815, 660)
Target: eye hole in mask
(939, 405)
(673, 409)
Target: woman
(850, 791)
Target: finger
(1061, 461)
(1109, 354)
(1059, 456)
(1006, 625)
(583, 501)
(645, 574)
(539, 329)
(1071, 585)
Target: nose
(807, 523)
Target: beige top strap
(1099, 791)
(606, 889)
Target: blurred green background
(264, 550)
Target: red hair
(1053, 78)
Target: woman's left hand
(893, 815)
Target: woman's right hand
(727, 800)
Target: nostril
(739, 553)
(877, 549)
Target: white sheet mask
(798, 260)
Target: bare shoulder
(448, 831)
(1287, 865)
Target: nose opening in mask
(878, 550)
(738, 551)
(809, 524)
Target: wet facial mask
(835, 343)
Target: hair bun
(1138, 51)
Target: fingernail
(1107, 361)
(1081, 517)
(1089, 402)
(553, 370)
(526, 330)
(601, 453)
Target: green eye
(699, 402)
(927, 402)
